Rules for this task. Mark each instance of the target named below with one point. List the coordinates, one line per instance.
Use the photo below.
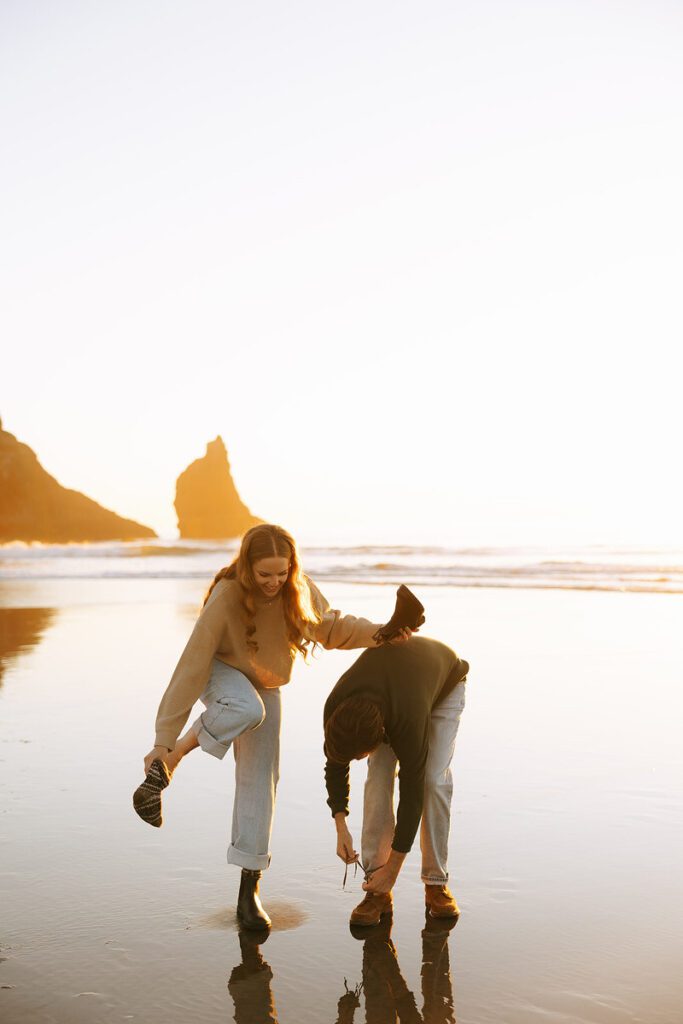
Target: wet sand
(566, 842)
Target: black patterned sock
(147, 797)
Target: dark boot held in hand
(408, 612)
(250, 912)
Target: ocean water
(650, 570)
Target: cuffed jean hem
(251, 861)
(430, 880)
(207, 742)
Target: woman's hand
(345, 848)
(401, 637)
(155, 753)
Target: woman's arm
(187, 684)
(191, 673)
(336, 631)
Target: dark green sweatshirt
(407, 681)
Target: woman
(258, 613)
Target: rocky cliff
(35, 507)
(207, 503)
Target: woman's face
(270, 574)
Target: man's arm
(411, 785)
(345, 848)
(338, 791)
(411, 750)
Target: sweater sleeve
(191, 675)
(336, 631)
(411, 784)
(338, 790)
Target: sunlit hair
(353, 729)
(268, 541)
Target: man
(397, 706)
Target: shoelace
(356, 864)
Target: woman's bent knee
(252, 712)
(255, 717)
(229, 717)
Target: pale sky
(419, 264)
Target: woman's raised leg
(233, 707)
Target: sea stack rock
(206, 500)
(35, 507)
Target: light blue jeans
(379, 821)
(248, 719)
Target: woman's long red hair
(268, 541)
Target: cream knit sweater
(220, 633)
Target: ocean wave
(597, 568)
(112, 549)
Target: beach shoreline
(567, 817)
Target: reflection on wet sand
(387, 996)
(21, 629)
(249, 983)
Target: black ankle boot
(407, 612)
(250, 912)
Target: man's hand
(345, 848)
(381, 880)
(384, 878)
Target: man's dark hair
(354, 728)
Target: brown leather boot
(371, 910)
(440, 901)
